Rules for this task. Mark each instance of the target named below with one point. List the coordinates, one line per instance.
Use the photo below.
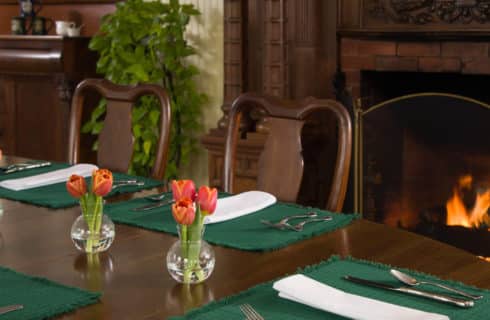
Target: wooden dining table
(133, 278)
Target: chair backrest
(116, 139)
(280, 167)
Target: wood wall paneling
(349, 14)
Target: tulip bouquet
(91, 202)
(189, 211)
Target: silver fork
(250, 313)
(283, 223)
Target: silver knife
(153, 205)
(22, 167)
(10, 308)
(415, 292)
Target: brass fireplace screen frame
(359, 113)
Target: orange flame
(487, 259)
(459, 215)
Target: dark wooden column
(280, 47)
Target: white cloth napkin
(52, 177)
(302, 289)
(239, 205)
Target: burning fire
(457, 212)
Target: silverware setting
(416, 292)
(250, 313)
(25, 166)
(10, 308)
(126, 183)
(153, 205)
(284, 224)
(408, 280)
(156, 197)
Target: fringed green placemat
(245, 233)
(41, 298)
(267, 302)
(55, 195)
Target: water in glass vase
(86, 241)
(187, 269)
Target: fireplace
(422, 109)
(423, 164)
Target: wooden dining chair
(116, 139)
(280, 166)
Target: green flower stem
(183, 240)
(92, 206)
(191, 248)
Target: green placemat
(41, 298)
(55, 195)
(266, 301)
(245, 233)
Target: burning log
(473, 240)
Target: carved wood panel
(423, 12)
(417, 15)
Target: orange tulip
(183, 211)
(76, 186)
(207, 198)
(183, 189)
(101, 182)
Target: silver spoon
(405, 278)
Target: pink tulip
(207, 198)
(183, 189)
(76, 186)
(183, 211)
(101, 182)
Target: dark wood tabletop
(133, 278)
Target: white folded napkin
(302, 289)
(52, 177)
(239, 205)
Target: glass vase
(190, 261)
(93, 242)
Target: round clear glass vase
(190, 261)
(92, 242)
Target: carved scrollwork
(65, 89)
(431, 11)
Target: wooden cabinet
(37, 77)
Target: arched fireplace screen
(422, 162)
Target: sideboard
(37, 77)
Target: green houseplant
(143, 42)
